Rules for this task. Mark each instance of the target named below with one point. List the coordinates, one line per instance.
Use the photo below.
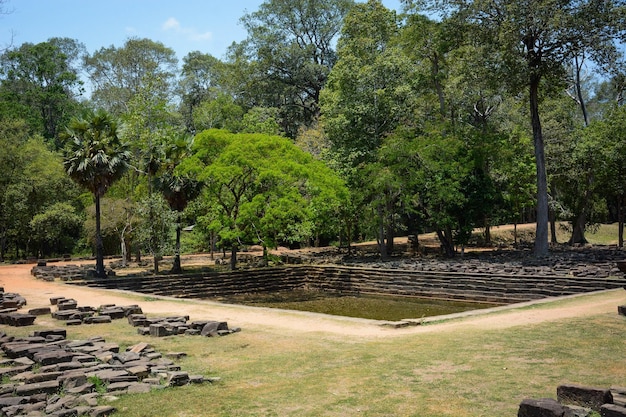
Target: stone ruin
(577, 401)
(45, 374)
(48, 374)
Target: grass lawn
(467, 372)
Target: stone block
(612, 410)
(52, 357)
(159, 330)
(48, 387)
(42, 311)
(102, 411)
(545, 407)
(211, 328)
(51, 332)
(97, 319)
(583, 396)
(177, 379)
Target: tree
(32, 180)
(535, 39)
(367, 97)
(95, 159)
(177, 189)
(262, 189)
(40, 84)
(199, 83)
(56, 230)
(118, 74)
(290, 50)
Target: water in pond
(364, 306)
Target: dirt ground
(17, 279)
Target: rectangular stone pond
(374, 307)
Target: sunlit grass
(468, 372)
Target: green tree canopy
(265, 190)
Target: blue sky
(209, 26)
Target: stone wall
(484, 287)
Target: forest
(332, 122)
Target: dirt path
(17, 278)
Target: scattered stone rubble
(69, 311)
(10, 303)
(577, 401)
(593, 262)
(48, 374)
(65, 272)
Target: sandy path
(17, 278)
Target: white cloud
(171, 24)
(192, 34)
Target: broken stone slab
(140, 371)
(159, 330)
(211, 328)
(137, 320)
(66, 304)
(177, 379)
(40, 377)
(53, 357)
(139, 347)
(97, 319)
(47, 387)
(55, 300)
(612, 410)
(51, 332)
(41, 311)
(114, 313)
(102, 411)
(583, 396)
(17, 319)
(139, 388)
(545, 407)
(126, 357)
(118, 387)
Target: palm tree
(95, 159)
(177, 189)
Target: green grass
(600, 234)
(467, 372)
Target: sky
(208, 26)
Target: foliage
(32, 180)
(290, 52)
(56, 230)
(155, 230)
(39, 83)
(263, 189)
(95, 159)
(117, 74)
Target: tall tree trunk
(553, 237)
(390, 230)
(541, 235)
(382, 247)
(233, 257)
(176, 268)
(578, 229)
(620, 221)
(446, 243)
(100, 272)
